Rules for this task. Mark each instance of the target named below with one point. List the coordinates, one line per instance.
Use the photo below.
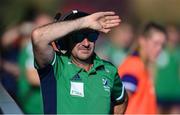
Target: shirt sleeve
(52, 63)
(118, 90)
(46, 69)
(130, 82)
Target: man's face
(154, 45)
(83, 45)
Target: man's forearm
(53, 31)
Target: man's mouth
(85, 50)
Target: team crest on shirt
(106, 86)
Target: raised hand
(102, 21)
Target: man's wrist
(83, 23)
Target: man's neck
(86, 64)
(143, 56)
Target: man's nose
(85, 42)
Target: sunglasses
(79, 37)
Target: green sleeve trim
(54, 59)
(35, 64)
(52, 62)
(122, 94)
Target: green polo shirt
(167, 79)
(67, 88)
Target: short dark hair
(152, 26)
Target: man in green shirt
(77, 81)
(167, 79)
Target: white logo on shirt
(106, 84)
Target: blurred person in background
(77, 81)
(10, 47)
(134, 70)
(167, 79)
(116, 47)
(30, 98)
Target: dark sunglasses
(79, 37)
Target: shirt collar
(97, 62)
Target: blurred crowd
(20, 78)
(18, 75)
